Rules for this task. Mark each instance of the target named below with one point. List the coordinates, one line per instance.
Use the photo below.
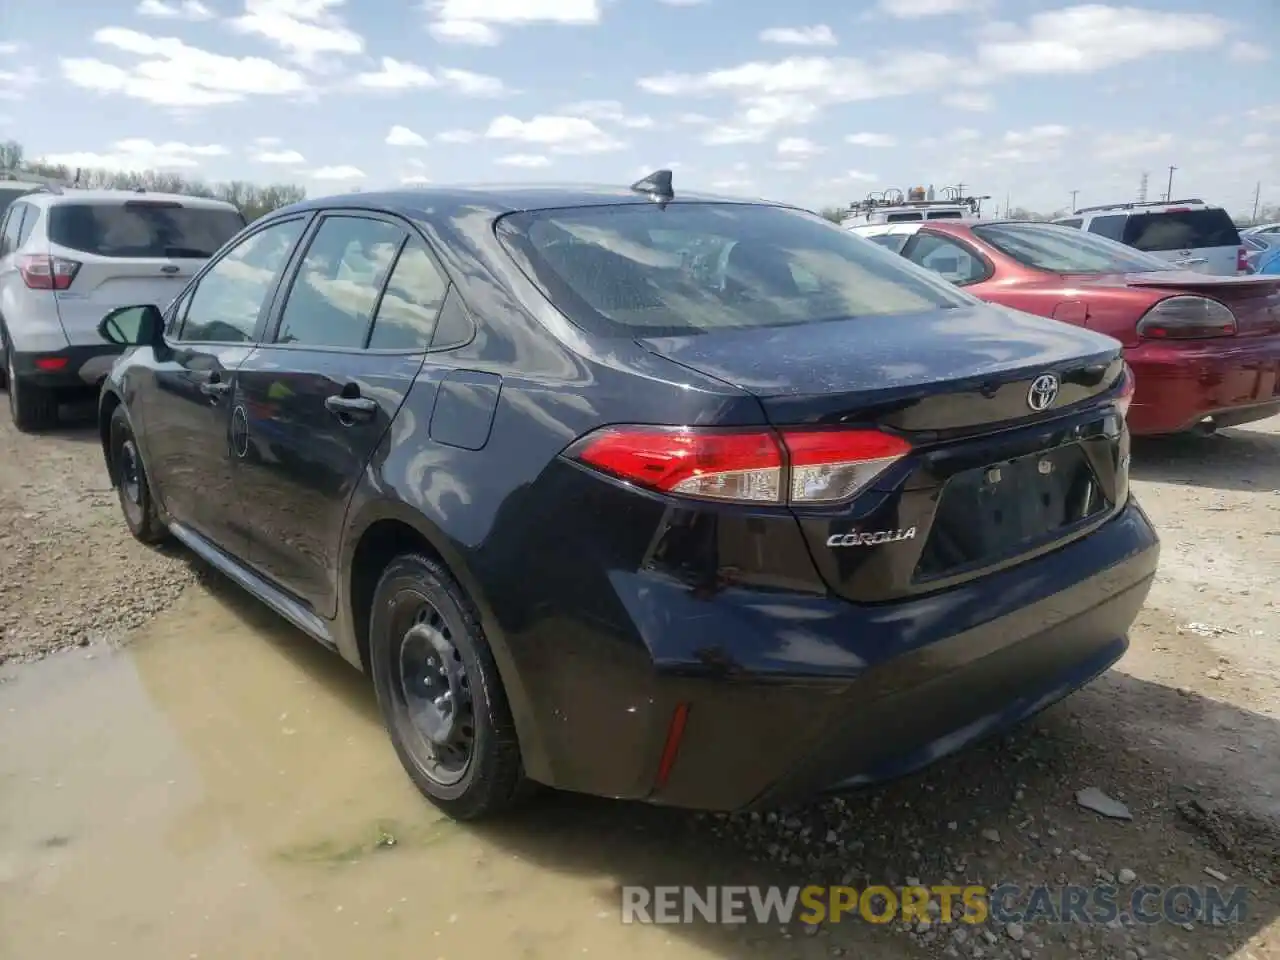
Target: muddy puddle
(223, 788)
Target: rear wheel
(439, 690)
(31, 407)
(131, 483)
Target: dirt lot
(178, 669)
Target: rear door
(130, 251)
(320, 393)
(1204, 240)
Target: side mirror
(133, 326)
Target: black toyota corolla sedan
(641, 494)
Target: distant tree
(252, 199)
(834, 214)
(1022, 213)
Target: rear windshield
(1181, 230)
(139, 228)
(1058, 249)
(644, 270)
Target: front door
(321, 394)
(190, 408)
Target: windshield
(1047, 246)
(645, 270)
(143, 228)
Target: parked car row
(1205, 348)
(638, 493)
(69, 256)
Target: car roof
(1145, 207)
(53, 198)
(498, 199)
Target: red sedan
(1205, 350)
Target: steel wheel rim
(431, 684)
(130, 473)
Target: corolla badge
(857, 538)
(1044, 390)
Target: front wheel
(439, 691)
(136, 503)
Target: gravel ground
(1185, 732)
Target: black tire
(425, 639)
(136, 503)
(32, 408)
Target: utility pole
(1257, 194)
(1168, 197)
(1142, 188)
(1074, 194)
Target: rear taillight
(42, 272)
(1187, 318)
(1242, 260)
(746, 466)
(1127, 386)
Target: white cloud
(1267, 114)
(1090, 37)
(457, 136)
(14, 84)
(798, 147)
(399, 136)
(1242, 51)
(473, 84)
(476, 21)
(970, 100)
(916, 9)
(854, 176)
(819, 35)
(560, 134)
(608, 111)
(279, 156)
(683, 3)
(1035, 145)
(1114, 147)
(8, 48)
(139, 154)
(304, 29)
(529, 161)
(344, 172)
(1255, 140)
(396, 75)
(871, 140)
(171, 73)
(192, 10)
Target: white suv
(1187, 233)
(67, 257)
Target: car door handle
(214, 388)
(350, 408)
(1190, 260)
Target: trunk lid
(989, 482)
(947, 370)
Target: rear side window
(945, 215)
(902, 217)
(891, 241)
(1073, 222)
(32, 214)
(1110, 226)
(12, 229)
(1181, 230)
(143, 229)
(336, 288)
(10, 194)
(1059, 249)
(945, 256)
(407, 315)
(732, 266)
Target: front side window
(332, 298)
(891, 241)
(948, 258)
(143, 229)
(1047, 246)
(687, 268)
(230, 297)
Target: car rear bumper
(1179, 385)
(72, 366)
(786, 696)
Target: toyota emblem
(1044, 390)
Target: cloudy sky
(812, 101)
